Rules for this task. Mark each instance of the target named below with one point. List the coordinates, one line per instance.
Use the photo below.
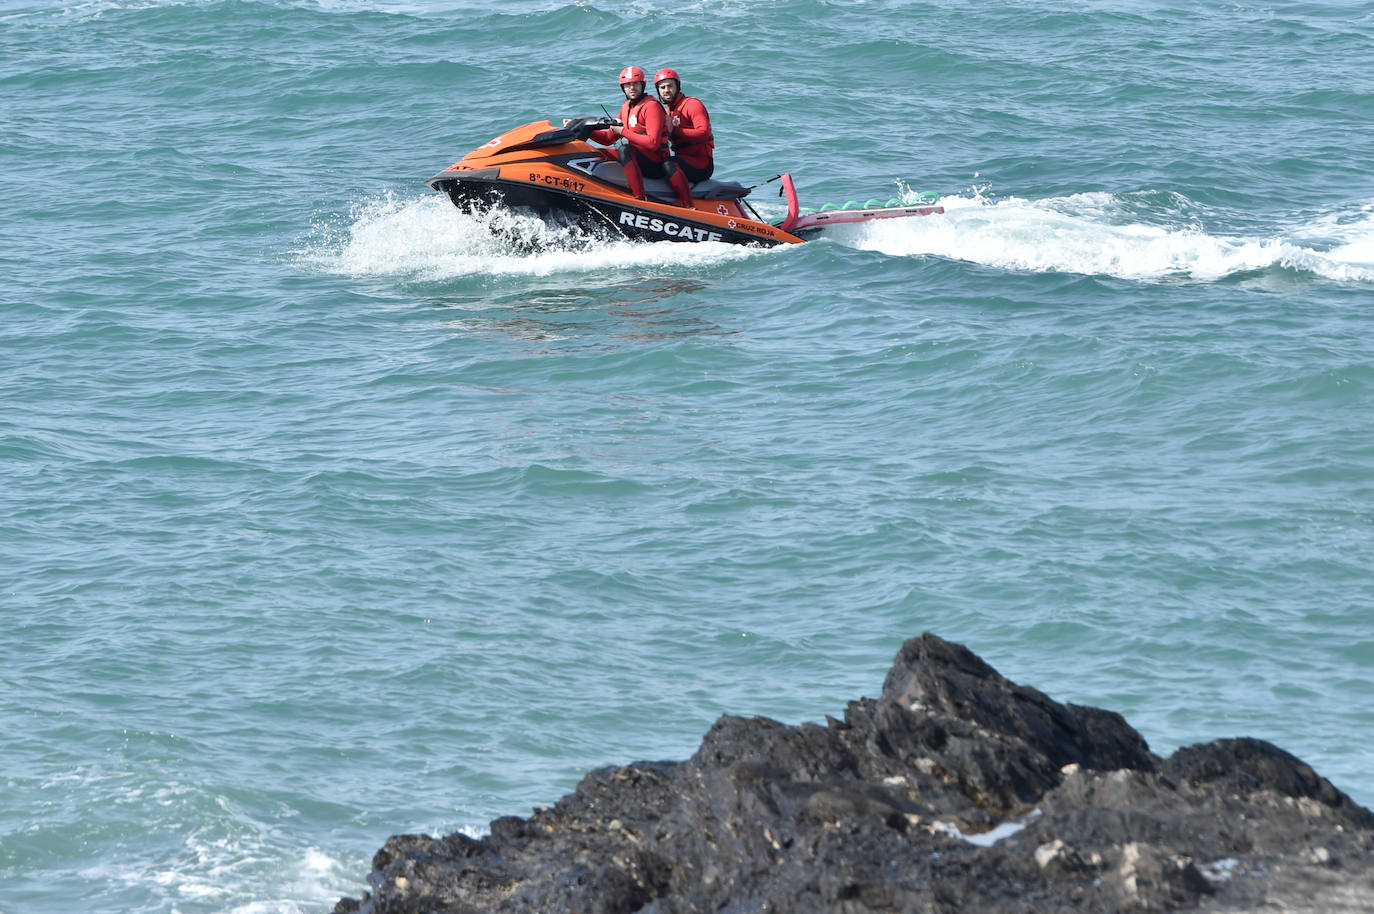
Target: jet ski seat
(660, 189)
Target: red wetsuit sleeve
(605, 137)
(696, 123)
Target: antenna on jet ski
(769, 181)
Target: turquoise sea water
(326, 517)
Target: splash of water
(428, 239)
(1098, 234)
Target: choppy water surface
(327, 516)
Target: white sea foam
(1092, 234)
(245, 878)
(310, 882)
(428, 239)
(198, 852)
(1350, 234)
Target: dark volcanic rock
(956, 791)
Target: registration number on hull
(557, 181)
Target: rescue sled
(554, 173)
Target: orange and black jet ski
(554, 173)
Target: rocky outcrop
(956, 791)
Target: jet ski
(560, 177)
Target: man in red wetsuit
(689, 127)
(644, 128)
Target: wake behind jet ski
(555, 174)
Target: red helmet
(666, 73)
(631, 75)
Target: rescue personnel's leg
(679, 182)
(697, 175)
(635, 177)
